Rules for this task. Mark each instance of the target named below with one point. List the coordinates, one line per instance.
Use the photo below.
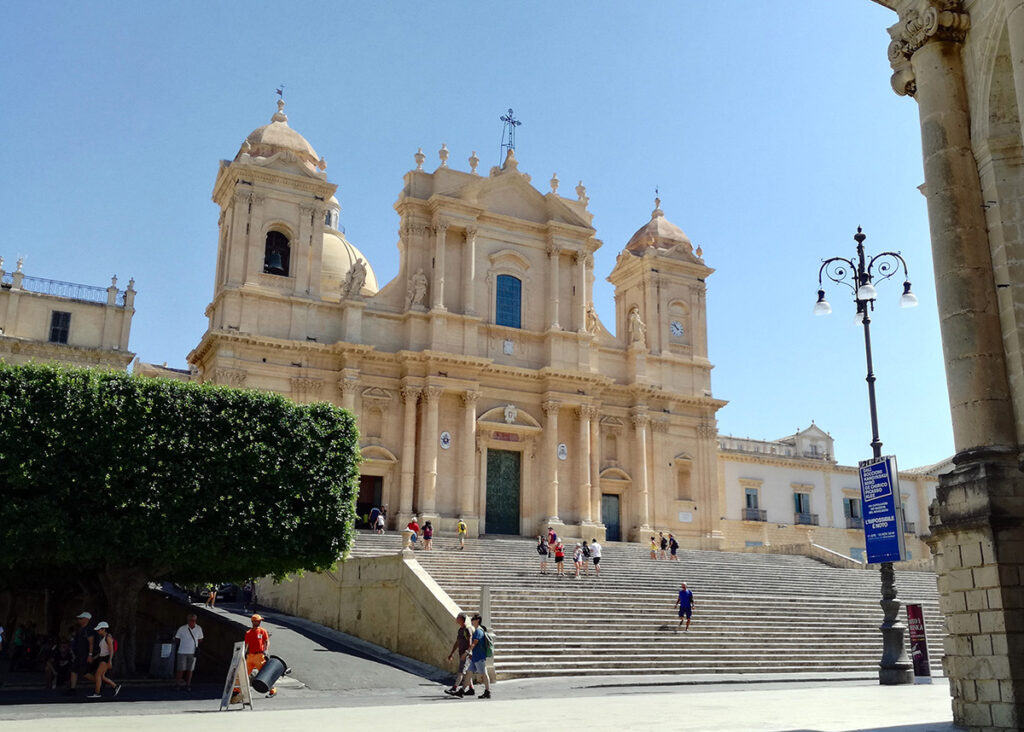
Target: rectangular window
(802, 502)
(851, 507)
(60, 324)
(751, 497)
(508, 303)
(754, 543)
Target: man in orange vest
(257, 643)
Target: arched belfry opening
(277, 254)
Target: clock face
(676, 327)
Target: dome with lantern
(277, 137)
(660, 233)
(340, 255)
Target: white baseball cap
(87, 616)
(101, 626)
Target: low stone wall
(390, 601)
(822, 554)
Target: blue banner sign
(882, 510)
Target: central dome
(276, 137)
(658, 232)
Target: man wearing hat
(82, 643)
(257, 643)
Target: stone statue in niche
(591, 324)
(510, 413)
(416, 290)
(355, 279)
(637, 329)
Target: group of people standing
(582, 554)
(663, 543)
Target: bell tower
(274, 201)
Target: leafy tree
(114, 480)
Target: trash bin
(272, 670)
(161, 659)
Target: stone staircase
(754, 613)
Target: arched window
(276, 254)
(508, 305)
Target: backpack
(489, 638)
(586, 550)
(542, 549)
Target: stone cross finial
(419, 157)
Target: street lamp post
(895, 667)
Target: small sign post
(237, 677)
(918, 644)
(883, 515)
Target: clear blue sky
(770, 128)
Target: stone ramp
(754, 613)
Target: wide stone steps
(754, 613)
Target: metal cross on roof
(508, 133)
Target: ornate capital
(550, 407)
(410, 393)
(470, 397)
(431, 393)
(583, 258)
(553, 249)
(440, 227)
(707, 430)
(229, 377)
(586, 411)
(639, 419)
(306, 386)
(347, 385)
(939, 20)
(471, 232)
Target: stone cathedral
(485, 385)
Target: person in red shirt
(415, 529)
(257, 643)
(560, 558)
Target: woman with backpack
(103, 659)
(479, 649)
(428, 535)
(586, 557)
(542, 549)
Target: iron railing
(854, 522)
(806, 519)
(755, 514)
(69, 290)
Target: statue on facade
(637, 329)
(416, 290)
(355, 279)
(510, 413)
(591, 323)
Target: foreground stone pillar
(410, 395)
(595, 468)
(586, 413)
(551, 458)
(976, 520)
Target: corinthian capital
(639, 418)
(431, 393)
(550, 406)
(410, 393)
(928, 20)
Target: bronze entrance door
(610, 516)
(503, 474)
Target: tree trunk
(122, 587)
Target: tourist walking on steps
(595, 554)
(577, 559)
(478, 655)
(552, 537)
(103, 660)
(586, 557)
(378, 526)
(463, 640)
(685, 604)
(673, 547)
(428, 535)
(542, 549)
(654, 548)
(462, 530)
(415, 529)
(560, 558)
(374, 513)
(663, 543)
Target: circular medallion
(446, 440)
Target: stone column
(467, 454)
(551, 407)
(469, 272)
(586, 413)
(640, 419)
(437, 291)
(554, 253)
(660, 469)
(595, 467)
(428, 451)
(583, 262)
(1015, 34)
(347, 385)
(410, 395)
(976, 527)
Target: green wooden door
(610, 516)
(502, 492)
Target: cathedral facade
(485, 385)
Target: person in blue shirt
(478, 656)
(685, 604)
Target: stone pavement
(708, 708)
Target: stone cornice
(809, 464)
(65, 353)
